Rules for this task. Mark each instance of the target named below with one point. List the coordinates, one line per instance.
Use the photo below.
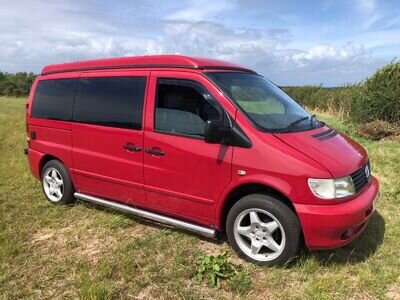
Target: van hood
(340, 155)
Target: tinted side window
(54, 99)
(111, 101)
(183, 107)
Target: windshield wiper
(297, 122)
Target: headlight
(332, 188)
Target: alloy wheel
(53, 184)
(259, 234)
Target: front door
(108, 135)
(184, 176)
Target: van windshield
(266, 105)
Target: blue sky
(332, 42)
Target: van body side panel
(188, 180)
(46, 136)
(103, 166)
(183, 181)
(53, 141)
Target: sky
(329, 42)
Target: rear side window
(54, 99)
(110, 101)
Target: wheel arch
(48, 157)
(245, 189)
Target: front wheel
(263, 230)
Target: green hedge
(380, 97)
(376, 98)
(339, 99)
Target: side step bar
(208, 232)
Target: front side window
(183, 108)
(53, 99)
(266, 105)
(110, 101)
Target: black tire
(287, 221)
(67, 188)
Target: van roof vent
(325, 135)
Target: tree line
(16, 84)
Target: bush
(380, 97)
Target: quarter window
(183, 108)
(110, 101)
(53, 99)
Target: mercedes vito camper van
(200, 144)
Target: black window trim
(82, 76)
(192, 83)
(77, 80)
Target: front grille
(361, 177)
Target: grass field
(49, 251)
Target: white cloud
(211, 39)
(54, 32)
(329, 53)
(197, 10)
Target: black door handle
(132, 148)
(154, 152)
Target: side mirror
(216, 132)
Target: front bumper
(332, 226)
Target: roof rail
(156, 61)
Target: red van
(200, 144)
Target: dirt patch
(393, 291)
(68, 242)
(377, 130)
(144, 294)
(395, 138)
(139, 230)
(215, 248)
(83, 241)
(212, 248)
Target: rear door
(184, 176)
(108, 135)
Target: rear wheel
(56, 183)
(263, 230)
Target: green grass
(49, 251)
